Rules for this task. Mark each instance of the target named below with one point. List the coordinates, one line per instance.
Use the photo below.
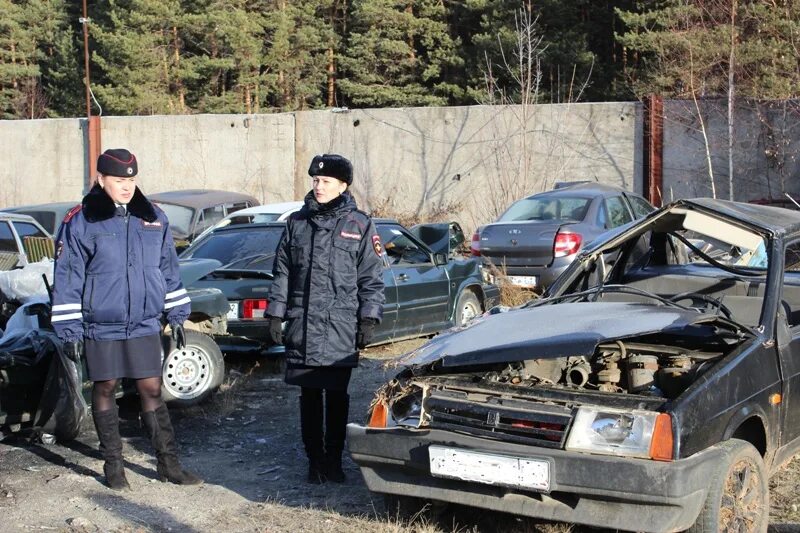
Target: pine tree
(35, 50)
(398, 54)
(685, 47)
(301, 42)
(136, 56)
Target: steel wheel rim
(468, 311)
(740, 508)
(187, 372)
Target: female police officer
(328, 284)
(116, 273)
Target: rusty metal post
(93, 148)
(653, 149)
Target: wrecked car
(654, 387)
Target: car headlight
(406, 411)
(628, 433)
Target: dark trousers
(323, 427)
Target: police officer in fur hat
(328, 287)
(116, 279)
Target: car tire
(467, 307)
(738, 496)
(190, 375)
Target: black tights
(332, 396)
(149, 390)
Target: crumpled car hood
(549, 331)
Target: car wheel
(738, 496)
(190, 375)
(467, 307)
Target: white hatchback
(277, 212)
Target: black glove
(276, 329)
(74, 350)
(179, 336)
(366, 330)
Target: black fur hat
(332, 165)
(117, 162)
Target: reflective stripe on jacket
(328, 275)
(116, 274)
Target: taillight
(254, 308)
(475, 247)
(566, 243)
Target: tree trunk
(731, 66)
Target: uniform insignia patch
(376, 245)
(155, 224)
(348, 235)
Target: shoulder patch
(72, 212)
(376, 244)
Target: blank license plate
(233, 310)
(523, 281)
(490, 469)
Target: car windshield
(547, 208)
(180, 217)
(248, 248)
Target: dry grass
(385, 209)
(510, 294)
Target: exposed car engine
(630, 367)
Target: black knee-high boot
(107, 425)
(158, 428)
(311, 431)
(337, 405)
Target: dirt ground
(245, 443)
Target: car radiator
(508, 419)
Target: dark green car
(429, 287)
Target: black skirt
(128, 358)
(318, 377)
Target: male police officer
(328, 284)
(116, 275)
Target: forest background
(261, 56)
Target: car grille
(514, 420)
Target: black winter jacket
(328, 275)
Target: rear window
(547, 208)
(245, 248)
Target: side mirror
(439, 259)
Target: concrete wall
(766, 150)
(471, 162)
(42, 161)
(245, 153)
(467, 163)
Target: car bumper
(491, 295)
(596, 490)
(248, 338)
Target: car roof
(5, 215)
(276, 208)
(584, 189)
(199, 198)
(776, 220)
(51, 206)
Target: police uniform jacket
(116, 272)
(328, 275)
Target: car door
(790, 358)
(386, 329)
(423, 289)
